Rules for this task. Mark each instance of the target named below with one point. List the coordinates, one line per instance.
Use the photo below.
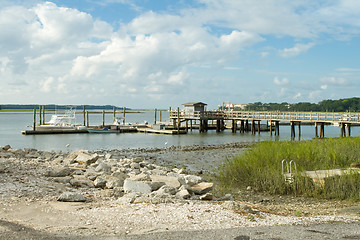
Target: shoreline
(29, 195)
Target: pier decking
(250, 121)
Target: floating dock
(53, 131)
(161, 131)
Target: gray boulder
(81, 183)
(71, 197)
(100, 182)
(62, 172)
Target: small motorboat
(103, 130)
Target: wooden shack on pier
(194, 107)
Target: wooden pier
(250, 121)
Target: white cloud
(284, 81)
(178, 79)
(348, 69)
(63, 50)
(264, 54)
(333, 81)
(297, 96)
(324, 87)
(296, 50)
(46, 85)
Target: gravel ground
(28, 202)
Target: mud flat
(122, 193)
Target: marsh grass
(260, 168)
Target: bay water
(11, 125)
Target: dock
(246, 121)
(161, 131)
(54, 131)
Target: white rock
(136, 186)
(192, 180)
(168, 180)
(206, 196)
(103, 167)
(135, 165)
(202, 188)
(166, 190)
(183, 194)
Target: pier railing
(274, 116)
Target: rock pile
(97, 175)
(134, 179)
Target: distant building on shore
(231, 106)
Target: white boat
(64, 121)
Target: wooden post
(270, 125)
(292, 130)
(322, 130)
(160, 115)
(103, 118)
(316, 130)
(114, 114)
(191, 125)
(178, 120)
(124, 113)
(40, 119)
(247, 125)
(259, 126)
(84, 112)
(349, 129)
(233, 126)
(43, 114)
(186, 125)
(342, 129)
(252, 127)
(155, 116)
(87, 118)
(218, 125)
(34, 126)
(299, 131)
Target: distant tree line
(56, 107)
(341, 105)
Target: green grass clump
(260, 168)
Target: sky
(162, 53)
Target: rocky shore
(131, 191)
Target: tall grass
(260, 168)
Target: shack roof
(195, 103)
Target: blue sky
(161, 53)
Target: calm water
(11, 126)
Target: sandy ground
(28, 203)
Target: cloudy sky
(161, 53)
